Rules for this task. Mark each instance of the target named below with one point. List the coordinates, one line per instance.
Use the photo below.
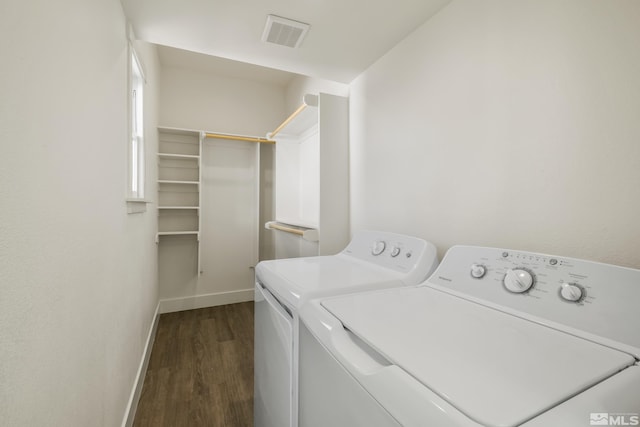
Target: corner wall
(78, 274)
(508, 124)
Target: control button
(553, 261)
(395, 251)
(571, 292)
(378, 247)
(518, 280)
(478, 271)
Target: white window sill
(137, 205)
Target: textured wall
(78, 286)
(509, 124)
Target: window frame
(136, 164)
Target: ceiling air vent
(283, 31)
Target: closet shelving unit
(312, 173)
(180, 182)
(179, 179)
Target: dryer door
(272, 366)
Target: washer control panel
(596, 298)
(521, 277)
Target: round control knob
(571, 292)
(518, 280)
(395, 251)
(378, 247)
(478, 271)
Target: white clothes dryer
(494, 338)
(372, 260)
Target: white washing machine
(372, 260)
(494, 338)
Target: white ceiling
(346, 36)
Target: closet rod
(284, 228)
(287, 120)
(240, 138)
(310, 234)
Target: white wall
(207, 101)
(509, 124)
(78, 287)
(199, 100)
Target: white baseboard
(134, 398)
(171, 305)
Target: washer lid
(295, 280)
(497, 369)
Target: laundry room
(175, 179)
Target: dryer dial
(378, 247)
(571, 292)
(478, 271)
(518, 280)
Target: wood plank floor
(201, 370)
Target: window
(136, 125)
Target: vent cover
(283, 31)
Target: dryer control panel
(587, 298)
(411, 256)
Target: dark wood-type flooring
(201, 370)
